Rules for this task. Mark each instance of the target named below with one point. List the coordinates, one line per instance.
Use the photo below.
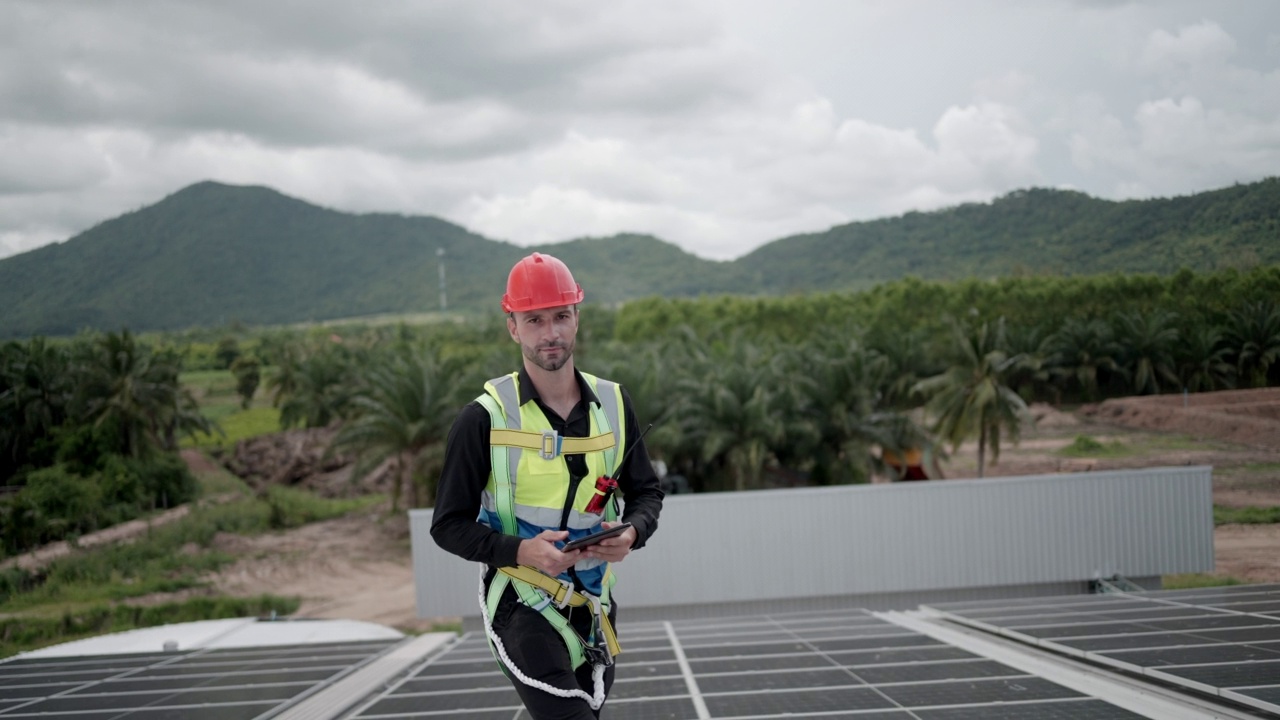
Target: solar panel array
(845, 664)
(852, 663)
(1220, 641)
(235, 684)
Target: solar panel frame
(1232, 652)
(744, 668)
(187, 684)
(857, 664)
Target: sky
(717, 125)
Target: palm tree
(35, 391)
(908, 362)
(729, 410)
(312, 387)
(1147, 344)
(645, 370)
(845, 388)
(402, 415)
(124, 386)
(1253, 334)
(1079, 350)
(898, 435)
(1203, 362)
(1032, 377)
(973, 395)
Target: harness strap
(562, 594)
(509, 668)
(529, 440)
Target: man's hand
(613, 549)
(541, 552)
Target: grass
(236, 424)
(1245, 515)
(168, 559)
(219, 481)
(1263, 468)
(215, 391)
(90, 592)
(1187, 581)
(290, 507)
(209, 382)
(1087, 446)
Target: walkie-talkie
(607, 485)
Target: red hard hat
(540, 281)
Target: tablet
(596, 537)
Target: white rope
(597, 670)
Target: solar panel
(850, 664)
(1223, 642)
(831, 664)
(231, 684)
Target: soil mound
(301, 458)
(1047, 416)
(1245, 417)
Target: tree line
(753, 392)
(88, 435)
(742, 392)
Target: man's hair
(512, 314)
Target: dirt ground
(357, 567)
(360, 567)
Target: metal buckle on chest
(551, 444)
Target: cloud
(1215, 123)
(782, 173)
(988, 145)
(1192, 46)
(716, 125)
(45, 159)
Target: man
(536, 457)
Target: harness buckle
(564, 594)
(551, 444)
(597, 655)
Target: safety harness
(541, 592)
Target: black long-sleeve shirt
(467, 466)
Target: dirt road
(357, 567)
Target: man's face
(546, 336)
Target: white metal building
(886, 547)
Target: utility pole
(444, 302)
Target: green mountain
(213, 253)
(1037, 231)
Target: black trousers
(539, 651)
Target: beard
(550, 364)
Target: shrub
(292, 508)
(64, 502)
(15, 580)
(84, 448)
(166, 480)
(1245, 515)
(248, 373)
(59, 503)
(1085, 444)
(123, 494)
(1186, 581)
(20, 524)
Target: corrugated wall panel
(883, 539)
